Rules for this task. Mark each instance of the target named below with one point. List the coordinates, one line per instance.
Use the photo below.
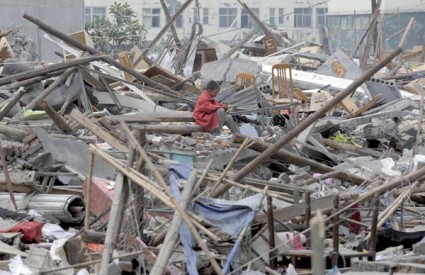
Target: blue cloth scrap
(177, 172)
(228, 216)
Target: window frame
(179, 22)
(321, 17)
(246, 21)
(272, 16)
(91, 13)
(228, 17)
(151, 17)
(303, 17)
(205, 16)
(281, 16)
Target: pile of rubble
(105, 172)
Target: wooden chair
(244, 80)
(283, 91)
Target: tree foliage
(120, 31)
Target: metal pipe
(59, 206)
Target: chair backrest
(244, 80)
(281, 80)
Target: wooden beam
(169, 129)
(173, 116)
(57, 119)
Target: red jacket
(205, 113)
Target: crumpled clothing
(31, 230)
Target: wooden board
(86, 122)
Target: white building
(226, 19)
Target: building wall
(347, 22)
(364, 6)
(213, 30)
(64, 15)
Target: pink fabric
(205, 113)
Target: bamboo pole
(318, 247)
(9, 105)
(173, 232)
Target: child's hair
(212, 85)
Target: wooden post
(318, 247)
(17, 96)
(88, 192)
(120, 198)
(65, 105)
(111, 92)
(335, 232)
(314, 117)
(374, 230)
(7, 177)
(57, 119)
(307, 201)
(270, 224)
(173, 231)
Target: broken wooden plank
(169, 129)
(89, 124)
(173, 116)
(57, 119)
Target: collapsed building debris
(105, 171)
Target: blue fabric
(186, 238)
(229, 216)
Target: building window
(92, 12)
(302, 17)
(205, 16)
(321, 17)
(151, 18)
(281, 16)
(272, 16)
(227, 16)
(179, 20)
(246, 20)
(195, 15)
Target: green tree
(120, 31)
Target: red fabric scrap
(31, 230)
(354, 227)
